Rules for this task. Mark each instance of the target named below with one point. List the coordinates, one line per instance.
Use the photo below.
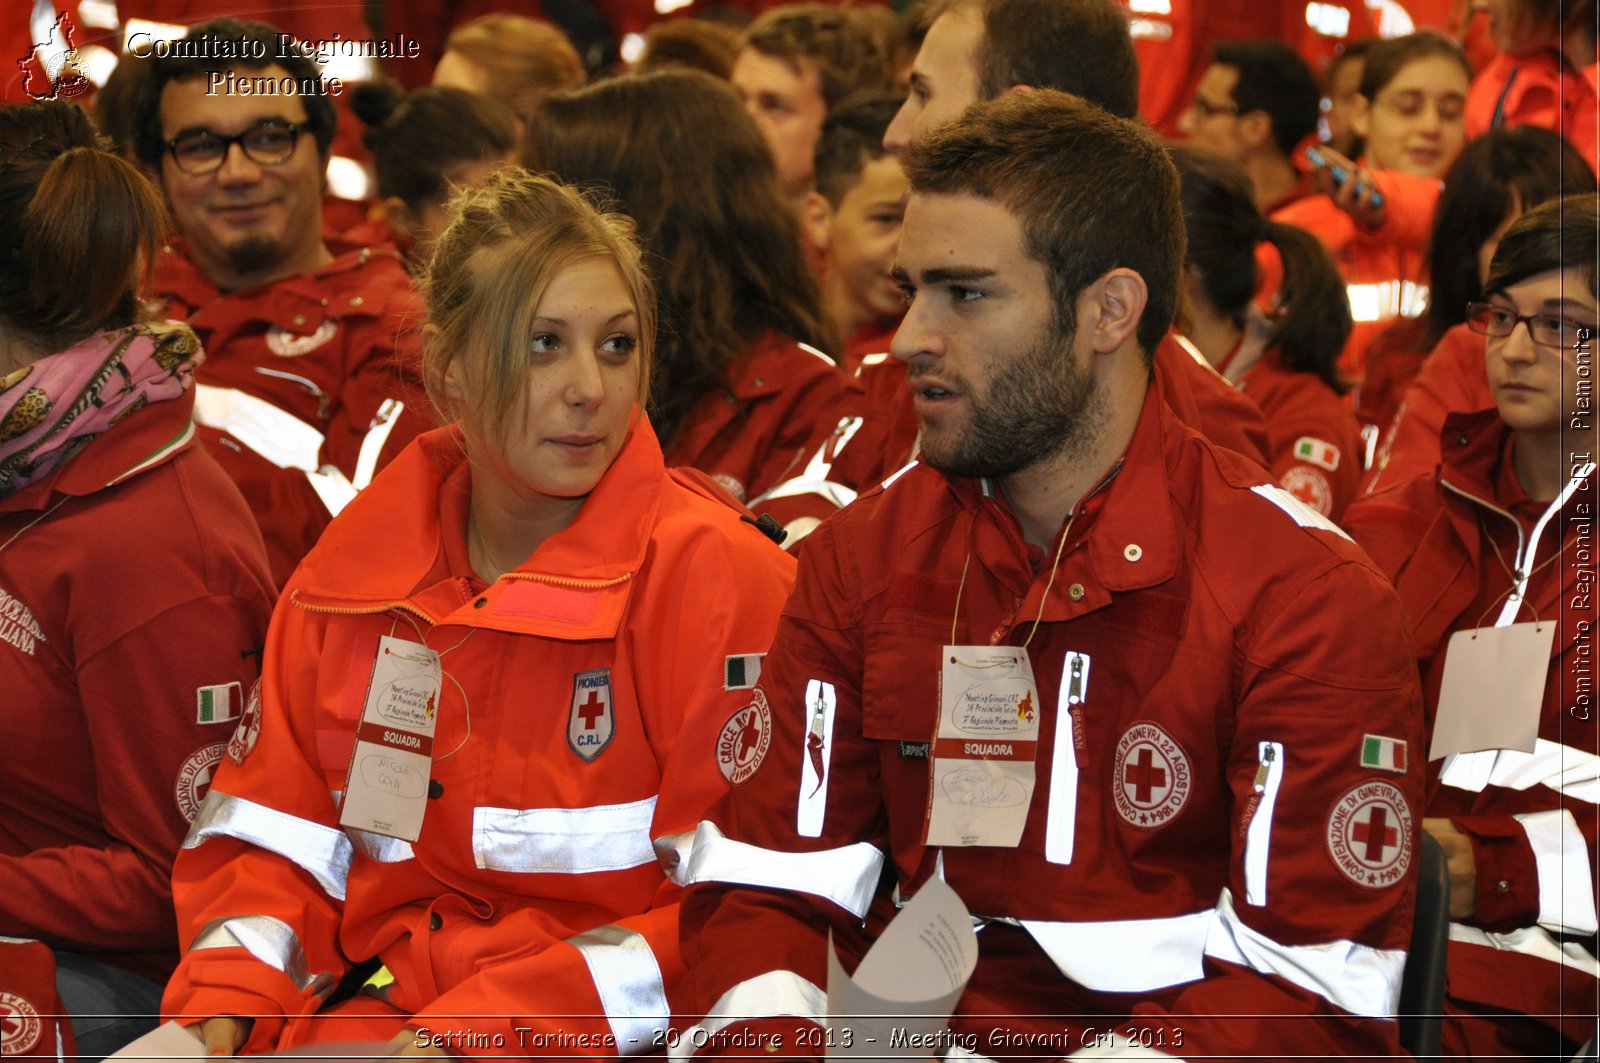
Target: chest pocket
(900, 685)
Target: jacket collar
(149, 437)
(1127, 527)
(385, 545)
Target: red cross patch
(591, 724)
(1369, 834)
(1151, 778)
(20, 1026)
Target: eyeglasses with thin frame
(1547, 330)
(1206, 109)
(267, 143)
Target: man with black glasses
(306, 339)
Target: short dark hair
(1387, 58)
(1558, 234)
(1077, 46)
(418, 139)
(849, 56)
(212, 47)
(1274, 79)
(852, 137)
(1093, 192)
(1501, 169)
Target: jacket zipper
(566, 581)
(1258, 839)
(819, 752)
(362, 610)
(1061, 816)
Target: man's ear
(1361, 116)
(1018, 88)
(1255, 128)
(1110, 309)
(400, 219)
(816, 220)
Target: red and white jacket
(1207, 868)
(1452, 379)
(1531, 817)
(1316, 442)
(542, 894)
(779, 403)
(305, 381)
(878, 436)
(134, 599)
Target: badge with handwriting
(386, 790)
(983, 773)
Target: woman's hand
(1355, 193)
(223, 1035)
(1463, 868)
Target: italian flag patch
(1384, 754)
(218, 704)
(1316, 451)
(742, 671)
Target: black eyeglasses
(268, 143)
(1549, 330)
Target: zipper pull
(1268, 755)
(1077, 677)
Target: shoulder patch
(1298, 511)
(1309, 486)
(1316, 451)
(194, 778)
(20, 1025)
(249, 730)
(286, 344)
(742, 744)
(1369, 834)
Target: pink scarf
(53, 408)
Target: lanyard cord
(1043, 598)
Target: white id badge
(1493, 689)
(983, 773)
(386, 790)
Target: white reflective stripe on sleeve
(834, 494)
(1258, 837)
(275, 434)
(1566, 883)
(1303, 514)
(813, 802)
(848, 877)
(372, 443)
(1061, 815)
(332, 488)
(1571, 772)
(764, 996)
(564, 841)
(1533, 941)
(1359, 979)
(322, 852)
(269, 940)
(1127, 955)
(628, 979)
(672, 853)
(1116, 1046)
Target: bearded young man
(1196, 857)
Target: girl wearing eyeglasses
(1500, 541)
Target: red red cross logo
(591, 710)
(1144, 775)
(1375, 833)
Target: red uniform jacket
(1383, 270)
(1540, 90)
(781, 401)
(1316, 443)
(1452, 380)
(871, 442)
(1203, 850)
(1529, 948)
(323, 353)
(578, 734)
(134, 598)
